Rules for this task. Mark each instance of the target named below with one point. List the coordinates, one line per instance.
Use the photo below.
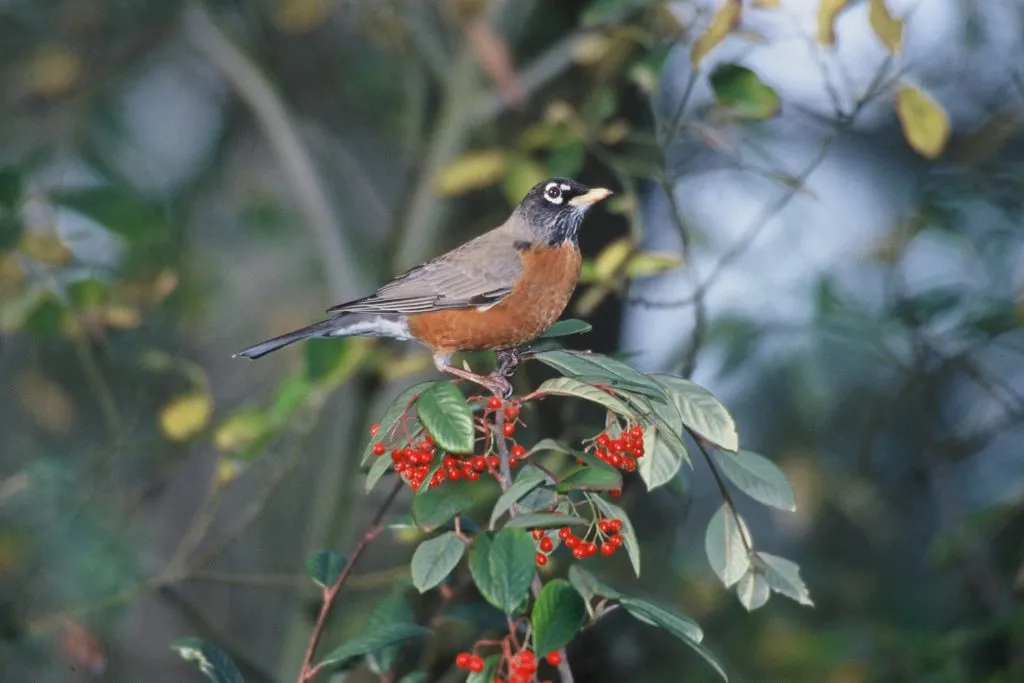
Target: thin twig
(308, 671)
(748, 544)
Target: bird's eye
(553, 194)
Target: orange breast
(535, 302)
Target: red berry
(591, 548)
(564, 533)
(607, 548)
(547, 545)
(603, 440)
(629, 464)
(636, 431)
(579, 552)
(374, 428)
(472, 475)
(615, 540)
(379, 448)
(537, 534)
(479, 463)
(512, 413)
(509, 428)
(615, 460)
(462, 660)
(400, 467)
(615, 525)
(476, 665)
(541, 559)
(513, 462)
(518, 451)
(494, 403)
(572, 542)
(554, 658)
(615, 493)
(604, 526)
(493, 461)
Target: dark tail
(319, 329)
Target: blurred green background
(181, 179)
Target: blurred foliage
(150, 225)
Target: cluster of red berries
(416, 461)
(522, 666)
(606, 541)
(622, 452)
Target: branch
(330, 594)
(726, 496)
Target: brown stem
(308, 671)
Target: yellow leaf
(521, 175)
(646, 263)
(240, 430)
(185, 416)
(827, 12)
(472, 171)
(888, 28)
(768, 4)
(53, 70)
(924, 121)
(590, 48)
(611, 260)
(227, 471)
(45, 248)
(725, 19)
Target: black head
(554, 209)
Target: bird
(497, 292)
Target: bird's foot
(495, 383)
(508, 360)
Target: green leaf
(543, 520)
(590, 586)
(10, 188)
(758, 477)
(371, 640)
(783, 577)
(502, 566)
(415, 677)
(629, 540)
(602, 369)
(548, 445)
(752, 589)
(528, 479)
(487, 674)
(443, 411)
(564, 328)
(701, 411)
(567, 386)
(683, 628)
(591, 479)
(661, 462)
(431, 508)
(378, 469)
(11, 228)
(557, 615)
(568, 159)
(393, 609)
(324, 567)
(741, 91)
(724, 545)
(394, 413)
(117, 210)
(213, 662)
(435, 559)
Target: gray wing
(479, 273)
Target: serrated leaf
(629, 540)
(324, 567)
(371, 640)
(435, 559)
(393, 609)
(543, 520)
(828, 10)
(589, 585)
(528, 479)
(472, 171)
(557, 616)
(888, 28)
(432, 507)
(924, 121)
(661, 462)
(742, 92)
(752, 590)
(405, 399)
(213, 662)
(502, 566)
(185, 416)
(722, 24)
(591, 479)
(683, 628)
(444, 413)
(783, 577)
(567, 386)
(758, 477)
(595, 367)
(700, 411)
(487, 674)
(725, 547)
(564, 328)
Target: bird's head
(554, 209)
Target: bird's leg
(508, 359)
(496, 385)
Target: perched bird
(495, 292)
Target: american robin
(495, 292)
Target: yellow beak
(592, 196)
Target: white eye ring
(553, 193)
